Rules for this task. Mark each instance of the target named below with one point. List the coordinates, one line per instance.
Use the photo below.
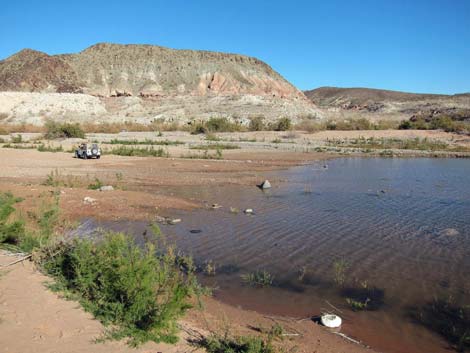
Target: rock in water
(248, 211)
(266, 185)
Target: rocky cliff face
(151, 82)
(145, 70)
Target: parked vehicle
(87, 151)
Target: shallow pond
(401, 227)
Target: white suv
(86, 151)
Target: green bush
(63, 130)
(15, 234)
(139, 291)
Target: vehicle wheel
(76, 154)
(98, 157)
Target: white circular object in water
(331, 320)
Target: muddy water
(402, 225)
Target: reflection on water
(402, 226)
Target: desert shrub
(348, 125)
(139, 291)
(138, 152)
(199, 128)
(14, 233)
(49, 148)
(63, 130)
(437, 122)
(96, 185)
(442, 122)
(386, 125)
(215, 146)
(145, 142)
(206, 155)
(222, 125)
(10, 231)
(256, 124)
(283, 124)
(17, 139)
(240, 344)
(215, 125)
(405, 125)
(310, 126)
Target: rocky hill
(144, 82)
(377, 104)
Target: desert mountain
(144, 82)
(376, 103)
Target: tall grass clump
(258, 278)
(138, 291)
(63, 130)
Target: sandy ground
(33, 319)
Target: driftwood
(334, 307)
(351, 339)
(16, 261)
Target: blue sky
(413, 45)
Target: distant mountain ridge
(379, 103)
